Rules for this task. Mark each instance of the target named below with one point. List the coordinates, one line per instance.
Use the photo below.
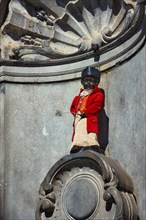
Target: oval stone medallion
(81, 198)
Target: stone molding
(47, 36)
(87, 185)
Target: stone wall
(36, 129)
(125, 89)
(34, 137)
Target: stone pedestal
(87, 185)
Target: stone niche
(45, 44)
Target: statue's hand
(83, 115)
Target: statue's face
(89, 82)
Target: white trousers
(81, 137)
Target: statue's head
(90, 77)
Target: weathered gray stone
(125, 88)
(3, 10)
(51, 30)
(34, 136)
(87, 185)
(36, 126)
(22, 156)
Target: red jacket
(93, 106)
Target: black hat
(90, 71)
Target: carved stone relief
(56, 29)
(86, 185)
(46, 32)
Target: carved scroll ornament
(85, 186)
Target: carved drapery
(86, 185)
(55, 32)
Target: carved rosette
(65, 33)
(86, 185)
